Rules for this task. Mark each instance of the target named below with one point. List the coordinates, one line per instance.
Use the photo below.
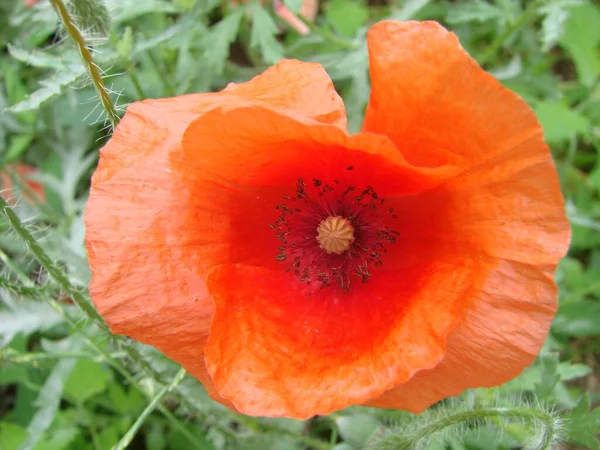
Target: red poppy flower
(295, 269)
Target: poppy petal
(275, 350)
(139, 283)
(501, 333)
(509, 216)
(238, 170)
(428, 95)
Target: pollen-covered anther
(335, 234)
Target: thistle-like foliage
(453, 420)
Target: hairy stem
(53, 270)
(88, 61)
(412, 439)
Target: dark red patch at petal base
(302, 228)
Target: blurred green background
(65, 384)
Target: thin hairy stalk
(81, 300)
(88, 61)
(19, 289)
(128, 437)
(10, 355)
(53, 270)
(411, 440)
(15, 269)
(510, 29)
(125, 373)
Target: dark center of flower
(333, 233)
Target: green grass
(65, 384)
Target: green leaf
(52, 87)
(36, 58)
(125, 402)
(47, 402)
(357, 429)
(409, 10)
(343, 446)
(552, 25)
(87, 379)
(294, 5)
(582, 426)
(346, 17)
(581, 38)
(92, 16)
(11, 435)
(578, 318)
(18, 144)
(549, 377)
(560, 122)
(476, 11)
(220, 37)
(127, 10)
(263, 35)
(26, 318)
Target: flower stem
(54, 271)
(11, 356)
(510, 29)
(14, 268)
(128, 437)
(116, 364)
(410, 440)
(328, 35)
(88, 62)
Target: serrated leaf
(220, 37)
(26, 318)
(51, 87)
(476, 11)
(583, 406)
(36, 58)
(560, 122)
(581, 38)
(126, 10)
(263, 34)
(47, 402)
(552, 25)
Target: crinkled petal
(509, 217)
(239, 165)
(275, 350)
(503, 329)
(432, 99)
(146, 283)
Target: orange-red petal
(275, 350)
(239, 165)
(145, 284)
(506, 211)
(431, 98)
